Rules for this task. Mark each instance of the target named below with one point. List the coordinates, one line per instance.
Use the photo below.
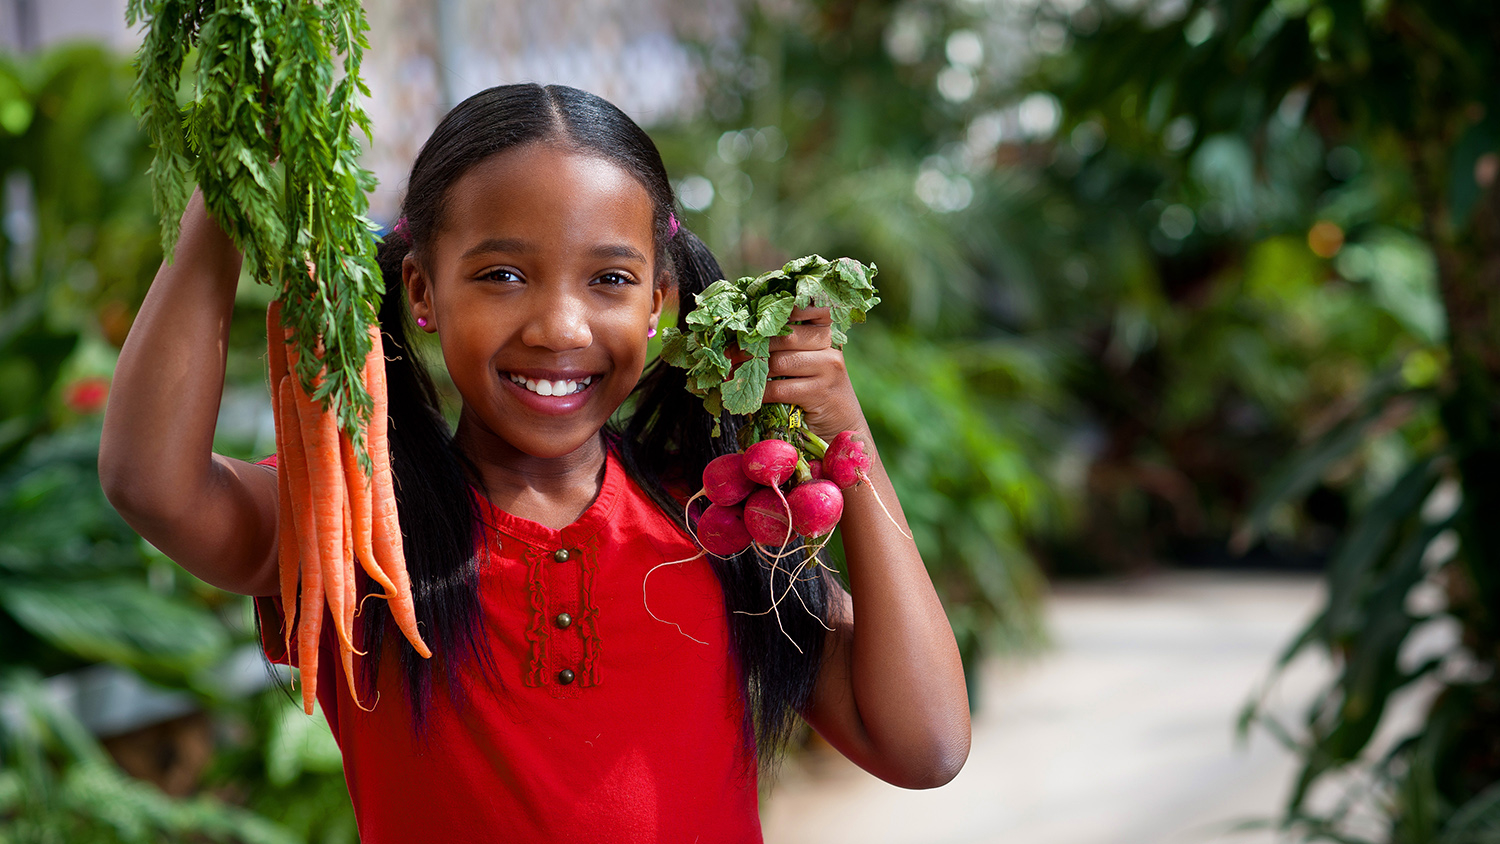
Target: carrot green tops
(604, 723)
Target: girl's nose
(557, 323)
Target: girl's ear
(658, 299)
(418, 293)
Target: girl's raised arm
(213, 515)
(890, 694)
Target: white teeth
(543, 387)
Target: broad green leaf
(116, 620)
(297, 742)
(1349, 572)
(139, 811)
(772, 313)
(806, 265)
(753, 310)
(1301, 471)
(755, 345)
(743, 392)
(674, 348)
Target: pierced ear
(418, 293)
(658, 299)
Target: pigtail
(670, 428)
(440, 519)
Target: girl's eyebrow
(610, 250)
(514, 245)
(497, 244)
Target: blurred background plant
(1174, 283)
(102, 634)
(1236, 260)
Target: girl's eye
(500, 275)
(614, 279)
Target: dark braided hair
(663, 444)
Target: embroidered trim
(537, 633)
(589, 623)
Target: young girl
(570, 697)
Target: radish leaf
(749, 312)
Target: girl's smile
(551, 391)
(541, 286)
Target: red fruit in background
(86, 395)
(815, 468)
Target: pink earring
(651, 332)
(421, 323)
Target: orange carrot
(345, 562)
(385, 525)
(320, 442)
(286, 532)
(332, 513)
(360, 491)
(293, 465)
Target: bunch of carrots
(332, 512)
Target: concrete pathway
(1121, 733)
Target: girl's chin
(511, 437)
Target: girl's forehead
(547, 195)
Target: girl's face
(541, 288)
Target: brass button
(565, 676)
(563, 620)
(561, 555)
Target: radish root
(876, 493)
(646, 602)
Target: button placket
(567, 654)
(561, 569)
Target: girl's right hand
(215, 516)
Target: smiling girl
(539, 243)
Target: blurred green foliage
(1164, 330)
(1207, 235)
(1163, 282)
(77, 586)
(1395, 103)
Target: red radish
(770, 462)
(721, 531)
(847, 460)
(767, 517)
(815, 468)
(816, 507)
(724, 480)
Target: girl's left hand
(807, 371)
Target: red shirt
(642, 741)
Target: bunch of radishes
(750, 505)
(785, 480)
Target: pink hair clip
(672, 225)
